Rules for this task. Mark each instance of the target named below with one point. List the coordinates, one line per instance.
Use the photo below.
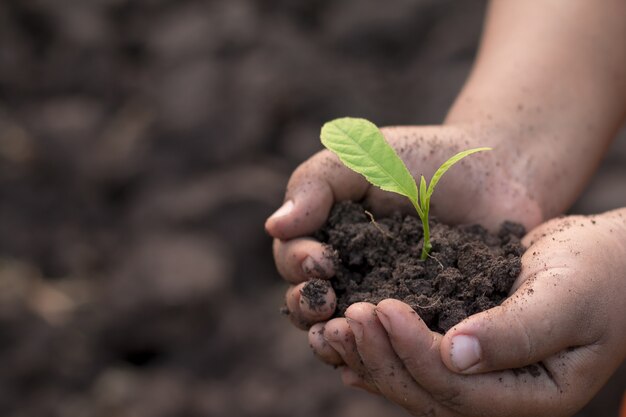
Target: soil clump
(468, 270)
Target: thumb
(543, 317)
(312, 190)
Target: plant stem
(423, 215)
(427, 246)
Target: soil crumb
(533, 370)
(315, 293)
(469, 270)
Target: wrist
(509, 185)
(547, 165)
(479, 189)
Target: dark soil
(468, 270)
(315, 292)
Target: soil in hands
(469, 270)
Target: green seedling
(361, 146)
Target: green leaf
(446, 166)
(360, 145)
(423, 197)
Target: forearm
(548, 89)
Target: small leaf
(447, 165)
(360, 145)
(423, 197)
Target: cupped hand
(545, 351)
(485, 189)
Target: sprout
(361, 146)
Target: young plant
(360, 145)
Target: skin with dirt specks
(548, 92)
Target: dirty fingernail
(337, 346)
(384, 320)
(357, 329)
(315, 268)
(284, 210)
(464, 352)
(310, 267)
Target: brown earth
(467, 271)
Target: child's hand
(565, 319)
(478, 190)
(542, 99)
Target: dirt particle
(534, 370)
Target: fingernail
(383, 319)
(357, 329)
(464, 352)
(337, 346)
(315, 268)
(309, 266)
(284, 210)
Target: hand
(484, 183)
(563, 323)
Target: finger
(312, 189)
(397, 318)
(321, 348)
(352, 379)
(532, 391)
(544, 316)
(292, 301)
(317, 300)
(310, 302)
(298, 260)
(338, 334)
(541, 231)
(556, 226)
(384, 367)
(580, 374)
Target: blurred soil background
(142, 145)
